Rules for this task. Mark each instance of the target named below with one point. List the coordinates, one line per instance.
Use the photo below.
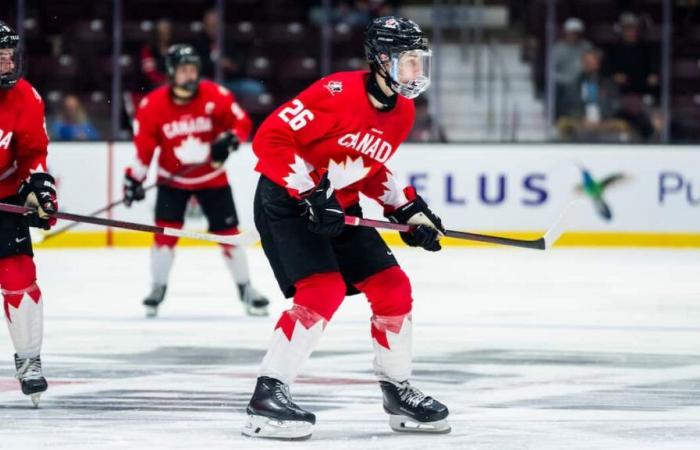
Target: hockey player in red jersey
(316, 154)
(196, 124)
(23, 181)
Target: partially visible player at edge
(316, 153)
(23, 181)
(196, 124)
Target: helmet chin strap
(373, 88)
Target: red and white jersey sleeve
(146, 140)
(283, 141)
(386, 190)
(23, 138)
(183, 135)
(230, 116)
(333, 127)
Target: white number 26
(296, 115)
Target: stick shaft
(239, 239)
(537, 244)
(120, 201)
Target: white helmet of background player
(10, 57)
(180, 55)
(397, 49)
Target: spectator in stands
(567, 55)
(632, 63)
(153, 53)
(353, 13)
(206, 44)
(357, 13)
(592, 115)
(423, 125)
(72, 123)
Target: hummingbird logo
(595, 190)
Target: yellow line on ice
(98, 239)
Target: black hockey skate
(255, 303)
(412, 411)
(154, 299)
(272, 414)
(30, 377)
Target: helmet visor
(410, 70)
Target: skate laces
(30, 369)
(409, 394)
(282, 394)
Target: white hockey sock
(24, 311)
(392, 341)
(296, 335)
(161, 262)
(237, 264)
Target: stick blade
(554, 233)
(247, 238)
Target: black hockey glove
(39, 192)
(224, 145)
(427, 226)
(133, 189)
(326, 216)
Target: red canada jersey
(332, 126)
(184, 134)
(23, 138)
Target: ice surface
(568, 349)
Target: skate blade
(151, 312)
(405, 424)
(267, 428)
(257, 312)
(35, 399)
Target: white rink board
(479, 187)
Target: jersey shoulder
(343, 84)
(212, 90)
(26, 92)
(155, 100)
(338, 88)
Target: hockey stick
(119, 202)
(543, 243)
(246, 238)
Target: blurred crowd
(606, 59)
(590, 82)
(608, 67)
(266, 59)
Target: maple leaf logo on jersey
(393, 194)
(335, 87)
(192, 151)
(299, 177)
(37, 169)
(346, 172)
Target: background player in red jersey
(316, 154)
(23, 181)
(196, 124)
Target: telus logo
(595, 189)
(528, 189)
